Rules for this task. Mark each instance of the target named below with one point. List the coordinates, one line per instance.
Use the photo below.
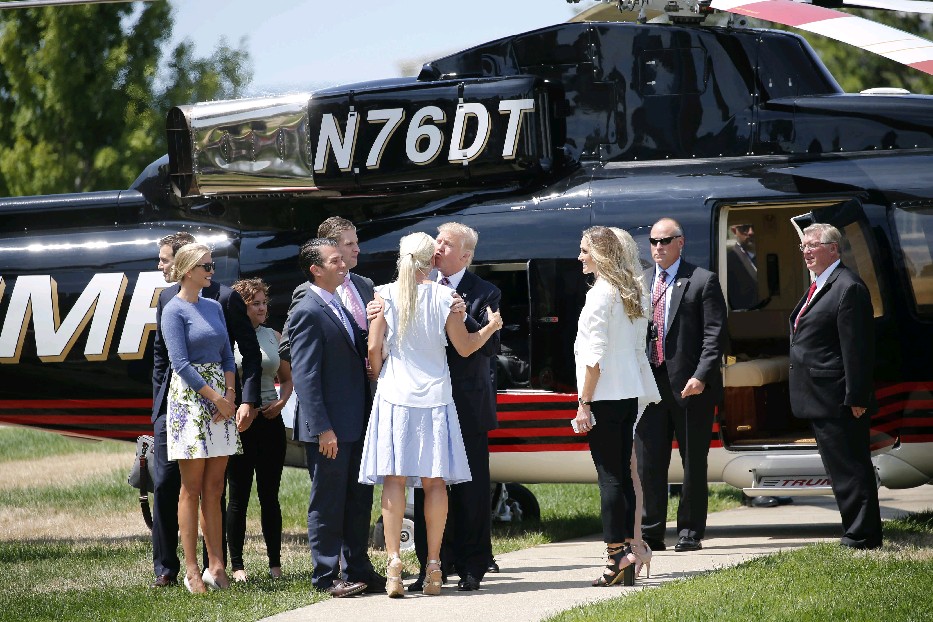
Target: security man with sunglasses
(685, 350)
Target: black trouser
(467, 544)
(611, 448)
(844, 445)
(167, 487)
(692, 426)
(264, 454)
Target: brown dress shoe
(341, 589)
(163, 580)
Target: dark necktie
(659, 302)
(806, 305)
(445, 281)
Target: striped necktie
(659, 302)
(338, 309)
(806, 305)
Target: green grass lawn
(813, 584)
(102, 576)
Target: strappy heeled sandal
(394, 587)
(433, 578)
(620, 567)
(643, 552)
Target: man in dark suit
(688, 338)
(328, 352)
(355, 289)
(831, 359)
(741, 269)
(167, 481)
(468, 538)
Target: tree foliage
(856, 69)
(82, 97)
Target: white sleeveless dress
(413, 428)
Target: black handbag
(142, 474)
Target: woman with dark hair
(263, 436)
(414, 434)
(614, 384)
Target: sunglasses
(208, 267)
(663, 241)
(742, 228)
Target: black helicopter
(528, 139)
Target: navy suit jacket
(833, 349)
(328, 371)
(239, 329)
(474, 378)
(363, 285)
(696, 333)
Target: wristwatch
(582, 403)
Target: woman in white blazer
(614, 384)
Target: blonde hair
(614, 264)
(186, 258)
(415, 253)
(468, 237)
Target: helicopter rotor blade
(35, 4)
(894, 44)
(901, 6)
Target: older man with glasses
(831, 363)
(685, 350)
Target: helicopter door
(557, 291)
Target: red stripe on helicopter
(925, 66)
(66, 404)
(56, 419)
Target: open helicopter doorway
(763, 278)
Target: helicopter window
(915, 235)
(857, 255)
(672, 72)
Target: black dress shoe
(418, 585)
(655, 544)
(493, 566)
(468, 583)
(375, 584)
(164, 580)
(341, 589)
(686, 543)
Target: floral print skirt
(191, 431)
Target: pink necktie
(806, 304)
(659, 301)
(356, 309)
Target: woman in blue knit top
(202, 429)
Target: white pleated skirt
(415, 443)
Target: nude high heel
(643, 553)
(433, 578)
(394, 587)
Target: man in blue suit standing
(328, 353)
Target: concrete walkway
(539, 582)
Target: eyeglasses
(743, 228)
(663, 241)
(812, 246)
(208, 267)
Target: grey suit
(693, 345)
